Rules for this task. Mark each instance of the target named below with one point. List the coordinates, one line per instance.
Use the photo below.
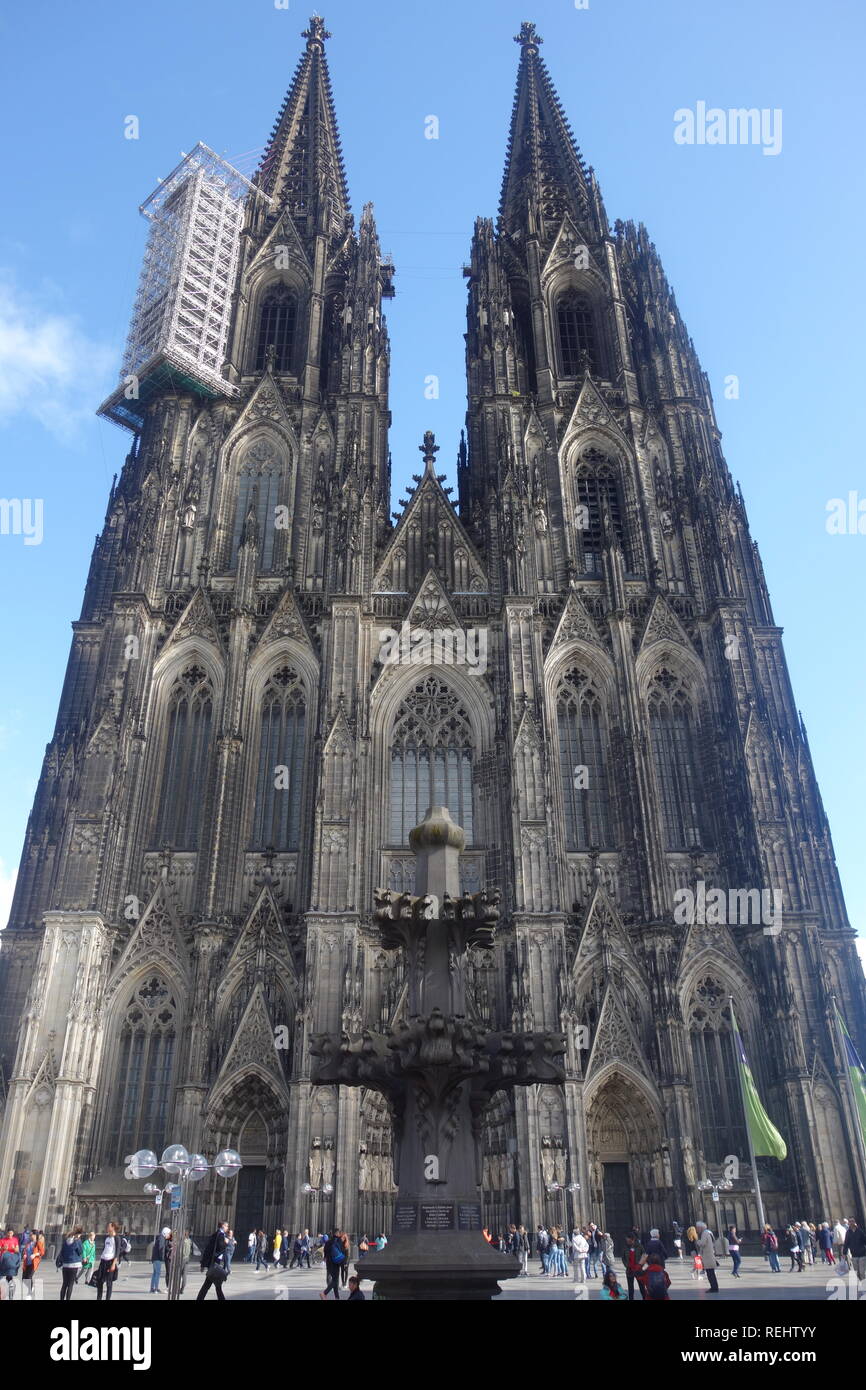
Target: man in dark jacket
(214, 1265)
(633, 1255)
(335, 1257)
(159, 1256)
(855, 1246)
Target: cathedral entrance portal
(249, 1205)
(629, 1164)
(618, 1214)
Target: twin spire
(302, 167)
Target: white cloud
(7, 888)
(49, 368)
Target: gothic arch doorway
(629, 1163)
(251, 1117)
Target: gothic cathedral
(588, 674)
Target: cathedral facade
(271, 680)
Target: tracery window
(675, 758)
(714, 1064)
(259, 479)
(577, 339)
(431, 760)
(281, 747)
(187, 758)
(143, 1078)
(598, 507)
(278, 316)
(583, 761)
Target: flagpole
(758, 1198)
(849, 1087)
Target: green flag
(856, 1074)
(766, 1139)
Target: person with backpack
(770, 1242)
(656, 1281)
(335, 1257)
(69, 1262)
(31, 1256)
(213, 1263)
(159, 1258)
(124, 1250)
(10, 1260)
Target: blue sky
(763, 253)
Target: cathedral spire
(302, 167)
(544, 170)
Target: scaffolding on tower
(180, 321)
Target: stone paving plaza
(756, 1283)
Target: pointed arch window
(187, 759)
(675, 758)
(431, 760)
(278, 315)
(146, 1050)
(259, 481)
(277, 817)
(714, 1065)
(598, 507)
(584, 759)
(578, 348)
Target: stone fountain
(437, 1071)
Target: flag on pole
(765, 1138)
(856, 1073)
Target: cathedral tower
(269, 684)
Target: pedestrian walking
(734, 1251)
(10, 1261)
(69, 1262)
(655, 1248)
(542, 1246)
(231, 1247)
(334, 1258)
(839, 1234)
(106, 1270)
(795, 1250)
(770, 1242)
(346, 1247)
(31, 1257)
(251, 1247)
(825, 1243)
(522, 1251)
(855, 1246)
(596, 1245)
(707, 1252)
(261, 1250)
(213, 1263)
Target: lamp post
(183, 1167)
(158, 1194)
(563, 1188)
(723, 1185)
(314, 1193)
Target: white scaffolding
(180, 320)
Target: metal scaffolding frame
(180, 320)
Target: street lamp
(723, 1185)
(184, 1168)
(314, 1193)
(563, 1188)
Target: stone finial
(429, 449)
(316, 34)
(438, 844)
(528, 38)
